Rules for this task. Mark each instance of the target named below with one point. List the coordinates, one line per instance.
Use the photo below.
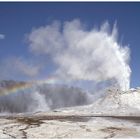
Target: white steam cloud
(28, 68)
(83, 54)
(2, 36)
(14, 67)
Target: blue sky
(19, 19)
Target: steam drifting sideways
(83, 54)
(23, 97)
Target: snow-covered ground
(116, 115)
(52, 125)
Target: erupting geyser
(83, 54)
(76, 54)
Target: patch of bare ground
(30, 123)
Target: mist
(43, 97)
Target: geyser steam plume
(83, 54)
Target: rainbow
(15, 88)
(27, 86)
